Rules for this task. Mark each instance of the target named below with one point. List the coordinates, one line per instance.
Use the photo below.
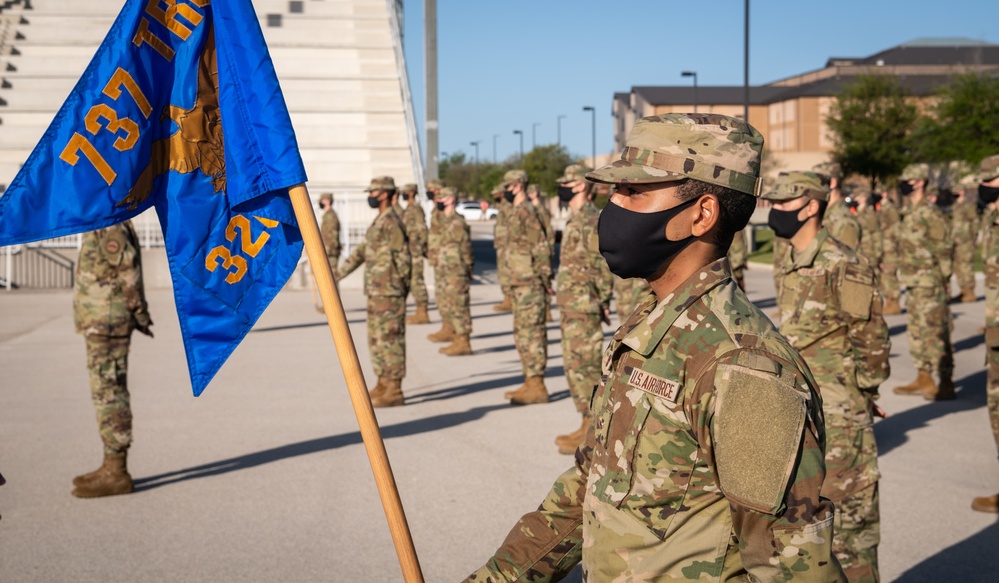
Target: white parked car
(471, 210)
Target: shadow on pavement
(292, 450)
(896, 330)
(973, 560)
(322, 324)
(765, 303)
(969, 343)
(512, 381)
(893, 431)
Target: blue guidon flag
(179, 109)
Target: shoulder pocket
(857, 291)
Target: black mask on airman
(635, 244)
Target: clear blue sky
(506, 65)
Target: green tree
(544, 164)
(962, 124)
(870, 122)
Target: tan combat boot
(923, 384)
(420, 316)
(109, 480)
(548, 313)
(459, 347)
(891, 307)
(942, 392)
(968, 295)
(84, 478)
(568, 443)
(532, 392)
(504, 306)
(391, 396)
(445, 334)
(378, 389)
(986, 504)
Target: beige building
(791, 112)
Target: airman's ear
(708, 210)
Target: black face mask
(373, 201)
(565, 193)
(430, 195)
(508, 195)
(785, 223)
(945, 199)
(905, 188)
(635, 244)
(875, 199)
(988, 194)
(441, 206)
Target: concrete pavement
(264, 477)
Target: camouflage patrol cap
(447, 191)
(916, 172)
(515, 176)
(989, 169)
(326, 196)
(712, 148)
(858, 190)
(830, 169)
(497, 190)
(435, 184)
(573, 172)
(792, 185)
(533, 189)
(381, 183)
(968, 183)
(410, 187)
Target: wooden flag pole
(351, 366)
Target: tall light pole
(559, 123)
(495, 159)
(694, 75)
(593, 111)
(534, 134)
(745, 76)
(521, 134)
(430, 75)
(476, 144)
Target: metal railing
(26, 266)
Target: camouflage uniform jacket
(738, 253)
(924, 247)
(545, 214)
(990, 255)
(330, 231)
(964, 223)
(415, 221)
(889, 221)
(526, 253)
(703, 462)
(452, 249)
(385, 251)
(830, 310)
(585, 283)
(109, 299)
(502, 224)
(871, 240)
(842, 224)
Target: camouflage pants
(964, 257)
(454, 303)
(992, 374)
(107, 359)
(530, 334)
(856, 534)
(417, 285)
(582, 340)
(928, 329)
(889, 283)
(387, 335)
(502, 274)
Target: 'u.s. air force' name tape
(655, 385)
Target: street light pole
(476, 144)
(593, 111)
(745, 76)
(559, 123)
(521, 134)
(495, 159)
(694, 75)
(534, 134)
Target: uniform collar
(648, 325)
(807, 257)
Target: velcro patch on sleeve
(113, 244)
(856, 292)
(758, 422)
